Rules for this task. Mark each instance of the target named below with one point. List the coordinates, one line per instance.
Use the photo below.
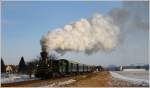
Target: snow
(58, 84)
(130, 79)
(135, 74)
(134, 70)
(11, 78)
(66, 82)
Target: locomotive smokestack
(44, 56)
(44, 53)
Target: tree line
(26, 67)
(23, 67)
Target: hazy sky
(24, 23)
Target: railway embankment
(95, 79)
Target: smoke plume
(133, 16)
(99, 33)
(86, 35)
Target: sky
(24, 23)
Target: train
(48, 68)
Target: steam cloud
(133, 16)
(100, 32)
(92, 35)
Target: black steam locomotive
(48, 68)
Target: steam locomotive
(48, 68)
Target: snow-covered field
(136, 77)
(135, 74)
(11, 78)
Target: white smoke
(97, 33)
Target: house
(10, 69)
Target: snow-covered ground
(61, 83)
(11, 78)
(139, 78)
(135, 74)
(138, 70)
